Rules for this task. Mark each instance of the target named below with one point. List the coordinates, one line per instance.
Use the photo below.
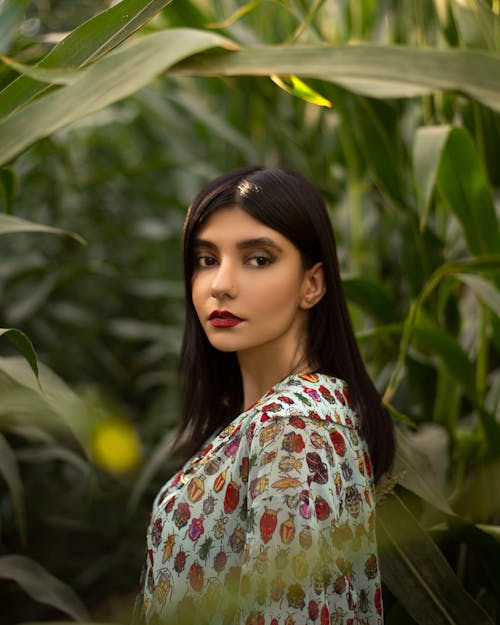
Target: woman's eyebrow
(242, 245)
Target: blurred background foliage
(413, 186)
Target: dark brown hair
(286, 202)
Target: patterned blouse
(273, 522)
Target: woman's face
(248, 285)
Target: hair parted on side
(286, 202)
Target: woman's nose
(224, 282)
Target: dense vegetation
(392, 109)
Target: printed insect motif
(272, 407)
(371, 567)
(205, 548)
(209, 505)
(270, 432)
(237, 540)
(346, 469)
(258, 486)
(313, 610)
(292, 501)
(167, 550)
(269, 457)
(281, 558)
(220, 561)
(196, 488)
(220, 526)
(322, 508)
(287, 530)
(231, 497)
(354, 437)
(296, 596)
(364, 603)
(196, 576)
(267, 524)
(220, 480)
(305, 538)
(179, 562)
(196, 529)
(347, 395)
(338, 442)
(325, 392)
(232, 447)
(305, 400)
(337, 481)
(313, 393)
(353, 501)
(300, 566)
(212, 466)
(341, 534)
(244, 469)
(289, 463)
(156, 532)
(378, 600)
(286, 482)
(318, 468)
(284, 399)
(339, 397)
(317, 440)
(262, 560)
(293, 443)
(277, 588)
(163, 587)
(304, 508)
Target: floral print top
(273, 522)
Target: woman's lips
(224, 319)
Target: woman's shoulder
(315, 396)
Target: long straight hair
(286, 202)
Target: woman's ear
(313, 286)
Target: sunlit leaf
(52, 76)
(39, 584)
(298, 88)
(485, 290)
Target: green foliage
(407, 161)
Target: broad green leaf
(23, 345)
(52, 76)
(109, 79)
(427, 151)
(10, 224)
(7, 188)
(39, 584)
(413, 470)
(298, 88)
(463, 186)
(9, 470)
(373, 70)
(492, 530)
(477, 23)
(417, 573)
(85, 44)
(485, 290)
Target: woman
(271, 521)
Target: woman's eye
(203, 260)
(260, 261)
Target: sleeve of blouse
(310, 552)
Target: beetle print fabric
(273, 522)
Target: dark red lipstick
(224, 319)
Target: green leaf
(11, 15)
(373, 70)
(9, 470)
(85, 44)
(52, 76)
(492, 530)
(8, 183)
(298, 88)
(417, 573)
(39, 584)
(113, 77)
(10, 224)
(463, 186)
(23, 345)
(427, 151)
(476, 23)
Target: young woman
(271, 521)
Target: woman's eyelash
(267, 259)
